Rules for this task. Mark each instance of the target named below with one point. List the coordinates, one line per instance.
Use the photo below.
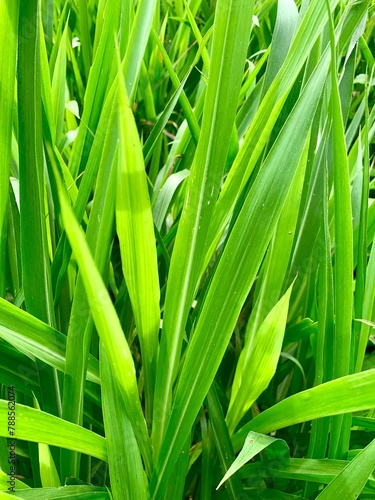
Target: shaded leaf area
(187, 258)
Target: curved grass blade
(286, 23)
(165, 196)
(254, 444)
(343, 395)
(107, 324)
(35, 338)
(260, 363)
(353, 478)
(40, 427)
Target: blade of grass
(40, 427)
(8, 47)
(85, 38)
(108, 325)
(74, 492)
(286, 23)
(365, 289)
(128, 478)
(261, 361)
(34, 253)
(353, 478)
(342, 395)
(228, 58)
(223, 443)
(317, 471)
(138, 39)
(58, 86)
(324, 343)
(343, 270)
(35, 338)
(96, 89)
(99, 235)
(254, 444)
(137, 243)
(261, 127)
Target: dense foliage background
(187, 267)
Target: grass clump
(187, 268)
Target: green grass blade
(58, 86)
(8, 47)
(36, 275)
(317, 471)
(353, 478)
(343, 271)
(40, 427)
(35, 338)
(49, 122)
(128, 478)
(203, 185)
(261, 357)
(107, 324)
(105, 141)
(138, 38)
(74, 492)
(286, 23)
(83, 16)
(97, 86)
(269, 110)
(135, 230)
(346, 394)
(223, 443)
(99, 233)
(165, 196)
(48, 473)
(365, 287)
(254, 444)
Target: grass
(187, 267)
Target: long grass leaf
(35, 338)
(99, 234)
(342, 395)
(36, 275)
(137, 243)
(8, 47)
(343, 272)
(128, 478)
(40, 427)
(107, 324)
(228, 57)
(353, 478)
